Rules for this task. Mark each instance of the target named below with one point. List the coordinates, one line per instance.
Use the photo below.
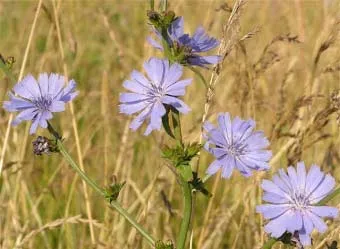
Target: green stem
(99, 190)
(269, 243)
(198, 73)
(152, 4)
(133, 222)
(186, 188)
(78, 170)
(164, 4)
(329, 197)
(166, 47)
(186, 215)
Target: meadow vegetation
(281, 68)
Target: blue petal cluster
(150, 95)
(37, 100)
(234, 144)
(292, 202)
(198, 43)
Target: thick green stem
(269, 243)
(186, 187)
(186, 215)
(99, 190)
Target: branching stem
(113, 204)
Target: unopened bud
(43, 145)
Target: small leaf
(166, 123)
(181, 155)
(167, 152)
(193, 149)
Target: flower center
(156, 92)
(236, 149)
(300, 201)
(43, 103)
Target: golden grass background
(282, 70)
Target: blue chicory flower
(37, 100)
(150, 95)
(292, 202)
(235, 145)
(190, 46)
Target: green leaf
(193, 149)
(166, 123)
(181, 155)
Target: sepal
(181, 155)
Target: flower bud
(43, 145)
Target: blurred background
(283, 71)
